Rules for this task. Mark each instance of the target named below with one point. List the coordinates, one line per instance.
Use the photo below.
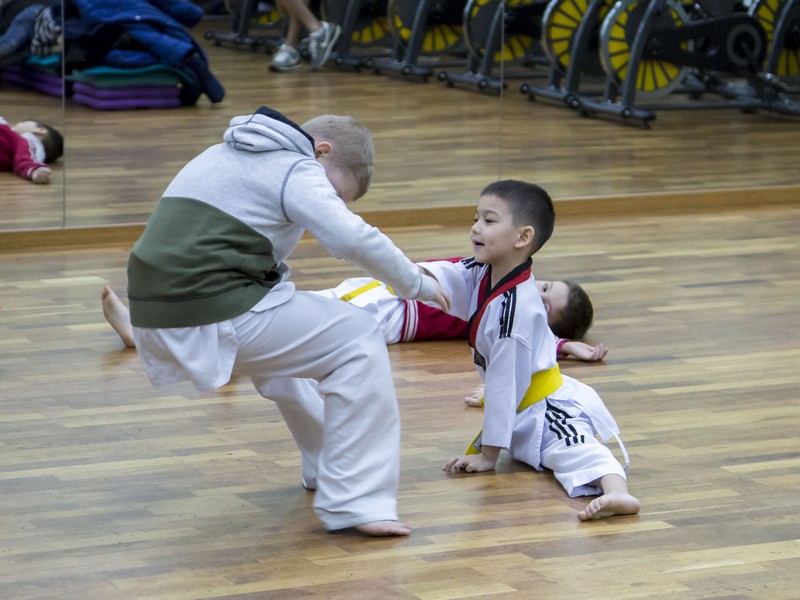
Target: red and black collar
(485, 295)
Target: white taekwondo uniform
(541, 417)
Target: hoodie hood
(268, 130)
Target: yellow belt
(542, 385)
(363, 289)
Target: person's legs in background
(322, 37)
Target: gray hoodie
(217, 240)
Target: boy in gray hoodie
(210, 296)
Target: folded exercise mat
(114, 77)
(113, 88)
(125, 93)
(31, 77)
(126, 103)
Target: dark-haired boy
(541, 417)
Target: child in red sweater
(27, 147)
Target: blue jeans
(20, 30)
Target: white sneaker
(321, 43)
(285, 59)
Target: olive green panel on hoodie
(196, 265)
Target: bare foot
(118, 316)
(384, 528)
(475, 399)
(609, 505)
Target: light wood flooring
(113, 489)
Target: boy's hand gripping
(440, 296)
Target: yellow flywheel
(442, 30)
(560, 24)
(655, 78)
(521, 22)
(783, 60)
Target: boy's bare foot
(384, 528)
(118, 316)
(475, 399)
(609, 505)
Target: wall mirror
(608, 115)
(26, 205)
(436, 146)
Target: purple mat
(24, 70)
(125, 93)
(31, 79)
(126, 103)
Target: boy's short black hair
(53, 143)
(576, 318)
(530, 205)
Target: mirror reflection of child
(27, 147)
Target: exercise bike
(365, 31)
(570, 40)
(498, 33)
(424, 32)
(654, 48)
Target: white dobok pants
(326, 366)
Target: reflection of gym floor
(113, 489)
(437, 146)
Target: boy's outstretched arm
(582, 351)
(474, 463)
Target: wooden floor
(112, 489)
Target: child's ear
(322, 148)
(525, 236)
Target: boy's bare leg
(616, 500)
(384, 528)
(118, 316)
